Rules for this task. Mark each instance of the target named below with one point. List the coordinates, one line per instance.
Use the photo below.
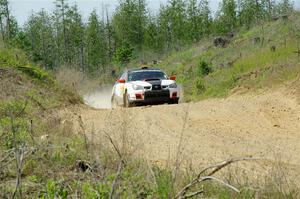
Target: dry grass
(76, 80)
(95, 164)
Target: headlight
(174, 85)
(137, 87)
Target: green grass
(232, 66)
(13, 58)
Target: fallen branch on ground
(199, 179)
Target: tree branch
(216, 167)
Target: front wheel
(174, 101)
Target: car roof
(144, 69)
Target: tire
(174, 101)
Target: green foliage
(164, 183)
(37, 39)
(35, 72)
(13, 124)
(12, 58)
(204, 68)
(16, 59)
(9, 27)
(62, 37)
(104, 190)
(129, 21)
(97, 55)
(88, 191)
(54, 190)
(227, 17)
(199, 86)
(242, 64)
(124, 53)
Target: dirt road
(263, 125)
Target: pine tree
(61, 29)
(129, 22)
(247, 13)
(193, 21)
(227, 17)
(153, 39)
(97, 54)
(285, 7)
(39, 32)
(173, 24)
(178, 18)
(6, 21)
(206, 19)
(75, 37)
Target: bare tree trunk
(63, 15)
(109, 36)
(7, 13)
(2, 29)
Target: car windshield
(144, 75)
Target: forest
(131, 32)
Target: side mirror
(122, 81)
(173, 78)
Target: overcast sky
(21, 9)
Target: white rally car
(144, 86)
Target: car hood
(165, 82)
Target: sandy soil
(265, 125)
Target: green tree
(173, 23)
(247, 12)
(227, 17)
(153, 39)
(124, 53)
(96, 44)
(39, 32)
(285, 7)
(178, 18)
(206, 19)
(75, 37)
(129, 22)
(8, 24)
(61, 29)
(193, 21)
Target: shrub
(204, 68)
(13, 124)
(35, 72)
(54, 190)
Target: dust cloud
(99, 98)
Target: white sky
(21, 9)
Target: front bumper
(154, 96)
